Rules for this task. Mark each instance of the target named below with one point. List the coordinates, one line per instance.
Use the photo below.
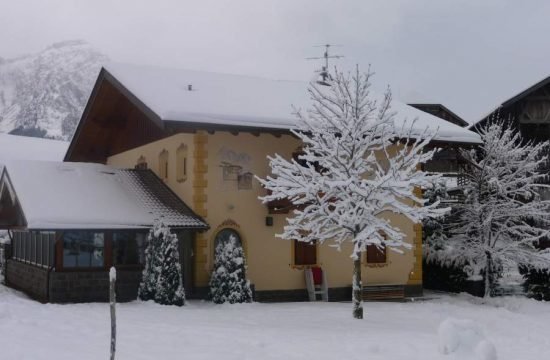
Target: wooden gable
(113, 121)
(11, 214)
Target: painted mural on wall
(235, 169)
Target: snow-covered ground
(518, 327)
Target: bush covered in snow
(537, 282)
(162, 277)
(228, 282)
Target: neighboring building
(442, 112)
(447, 160)
(528, 111)
(206, 135)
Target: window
(39, 251)
(27, 244)
(305, 253)
(83, 249)
(163, 165)
(32, 257)
(376, 254)
(34, 247)
(128, 248)
(141, 163)
(16, 244)
(181, 164)
(244, 181)
(226, 234)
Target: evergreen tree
(435, 233)
(433, 228)
(162, 275)
(351, 172)
(148, 285)
(228, 282)
(169, 289)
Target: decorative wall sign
(244, 181)
(235, 166)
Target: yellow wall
(224, 205)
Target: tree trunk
(488, 274)
(357, 288)
(112, 301)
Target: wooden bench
(383, 292)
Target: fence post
(112, 304)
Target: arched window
(226, 235)
(141, 163)
(181, 163)
(163, 165)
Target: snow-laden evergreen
(228, 282)
(356, 167)
(503, 216)
(162, 275)
(434, 231)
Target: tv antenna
(325, 75)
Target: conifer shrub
(162, 276)
(228, 283)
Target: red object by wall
(317, 273)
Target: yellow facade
(221, 188)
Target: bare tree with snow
(503, 217)
(356, 166)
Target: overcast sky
(468, 55)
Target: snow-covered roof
(237, 100)
(15, 147)
(57, 195)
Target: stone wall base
(70, 287)
(92, 286)
(31, 279)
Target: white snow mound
(465, 340)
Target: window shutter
(376, 255)
(305, 253)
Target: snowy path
(519, 328)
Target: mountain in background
(44, 94)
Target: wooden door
(187, 259)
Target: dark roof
(55, 195)
(434, 108)
(514, 99)
(527, 91)
(161, 200)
